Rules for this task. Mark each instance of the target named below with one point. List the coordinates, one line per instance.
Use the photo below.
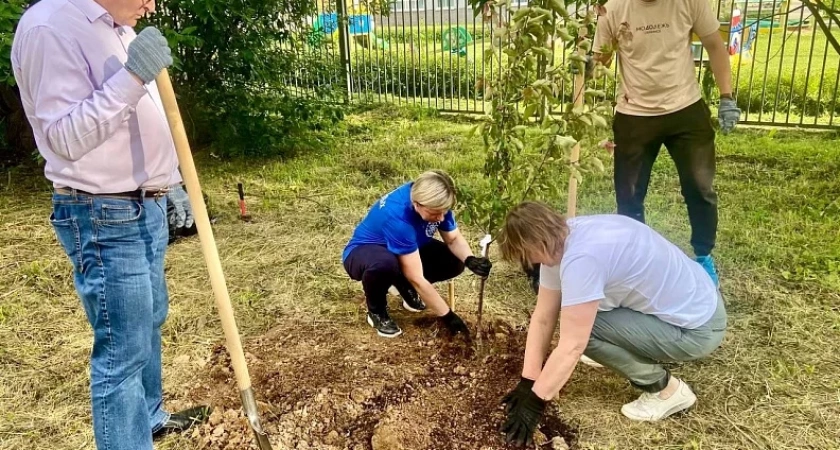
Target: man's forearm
(557, 371)
(604, 58)
(719, 61)
(460, 248)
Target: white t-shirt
(627, 264)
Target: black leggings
(378, 269)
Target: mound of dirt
(342, 387)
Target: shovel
(211, 257)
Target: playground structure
(361, 29)
(750, 19)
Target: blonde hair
(434, 190)
(532, 228)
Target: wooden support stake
(580, 82)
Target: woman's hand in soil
(522, 419)
(454, 324)
(518, 394)
(479, 266)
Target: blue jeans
(117, 247)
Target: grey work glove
(148, 54)
(182, 215)
(728, 115)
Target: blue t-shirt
(393, 222)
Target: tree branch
(815, 10)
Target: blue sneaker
(709, 266)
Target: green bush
(231, 61)
(17, 144)
(426, 35)
(439, 76)
(760, 95)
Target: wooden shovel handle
(205, 232)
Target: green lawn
(773, 383)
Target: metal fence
(431, 53)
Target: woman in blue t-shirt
(394, 246)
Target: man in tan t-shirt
(659, 102)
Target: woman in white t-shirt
(626, 298)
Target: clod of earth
(558, 443)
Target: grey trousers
(634, 344)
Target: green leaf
(576, 173)
(585, 45)
(489, 54)
(564, 142)
(577, 58)
(564, 35)
(529, 111)
(597, 93)
(599, 121)
(543, 51)
(598, 164)
(521, 13)
(478, 130)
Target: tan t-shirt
(653, 43)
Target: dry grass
(773, 383)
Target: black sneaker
(181, 421)
(413, 303)
(385, 327)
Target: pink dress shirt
(98, 128)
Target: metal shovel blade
(250, 406)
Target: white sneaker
(649, 407)
(590, 362)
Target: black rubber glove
(515, 396)
(454, 324)
(479, 266)
(522, 420)
(533, 274)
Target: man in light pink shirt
(87, 86)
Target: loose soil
(331, 386)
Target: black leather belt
(147, 193)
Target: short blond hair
(434, 190)
(532, 228)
